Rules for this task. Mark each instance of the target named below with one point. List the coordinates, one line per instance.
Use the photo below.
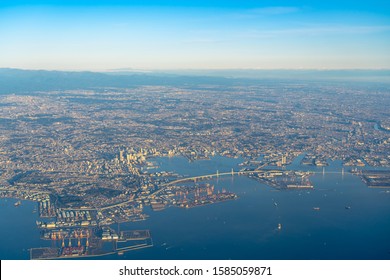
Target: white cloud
(274, 10)
(317, 30)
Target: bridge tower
(217, 174)
(232, 172)
(87, 243)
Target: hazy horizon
(163, 70)
(20, 81)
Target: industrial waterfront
(339, 218)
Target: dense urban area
(86, 156)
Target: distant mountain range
(18, 81)
(25, 81)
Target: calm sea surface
(245, 228)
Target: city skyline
(156, 35)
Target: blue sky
(102, 35)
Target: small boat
(16, 204)
(279, 226)
(347, 207)
(275, 204)
(316, 208)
